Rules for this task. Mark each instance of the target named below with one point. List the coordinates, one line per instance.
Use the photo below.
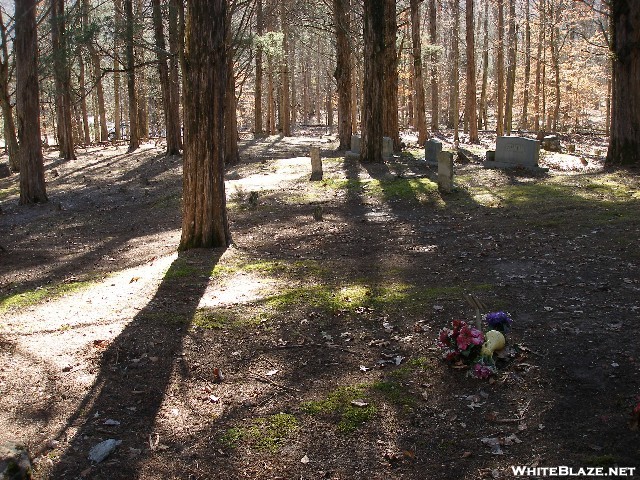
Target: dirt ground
(307, 349)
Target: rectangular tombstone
(517, 152)
(387, 148)
(316, 164)
(445, 172)
(355, 144)
(432, 149)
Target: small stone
(102, 450)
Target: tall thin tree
(343, 72)
(470, 103)
(134, 131)
(416, 42)
(372, 105)
(433, 38)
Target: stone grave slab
(432, 149)
(516, 152)
(316, 164)
(445, 172)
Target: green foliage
(7, 192)
(394, 393)
(271, 43)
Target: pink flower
(469, 336)
(451, 355)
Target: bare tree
(372, 124)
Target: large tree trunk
(231, 150)
(32, 185)
(433, 38)
(500, 71)
(555, 62)
(134, 139)
(141, 74)
(624, 144)
(117, 108)
(62, 77)
(11, 141)
(418, 83)
(173, 142)
(257, 123)
(470, 103)
(539, 116)
(390, 83)
(343, 72)
(372, 126)
(204, 222)
(97, 75)
(83, 101)
(511, 69)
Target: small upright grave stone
(514, 152)
(551, 143)
(432, 149)
(445, 172)
(387, 148)
(316, 164)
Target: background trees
(528, 64)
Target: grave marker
(445, 172)
(316, 164)
(513, 152)
(432, 149)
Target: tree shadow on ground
(134, 373)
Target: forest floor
(323, 329)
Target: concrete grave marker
(445, 172)
(316, 164)
(387, 148)
(355, 144)
(432, 149)
(513, 152)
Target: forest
(341, 239)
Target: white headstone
(512, 152)
(355, 144)
(387, 148)
(445, 172)
(316, 164)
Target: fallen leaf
(494, 443)
(359, 403)
(466, 454)
(304, 460)
(271, 373)
(364, 369)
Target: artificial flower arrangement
(468, 345)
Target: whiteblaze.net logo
(563, 471)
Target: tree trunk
(11, 141)
(482, 118)
(555, 63)
(32, 185)
(418, 82)
(511, 68)
(470, 103)
(500, 70)
(173, 143)
(374, 53)
(454, 79)
(232, 153)
(83, 101)
(390, 82)
(624, 144)
(62, 77)
(141, 74)
(524, 121)
(343, 72)
(176, 50)
(134, 140)
(284, 74)
(257, 128)
(117, 107)
(204, 222)
(97, 76)
(433, 38)
(539, 117)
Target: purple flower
(499, 321)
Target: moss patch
(263, 433)
(41, 294)
(338, 405)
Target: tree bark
(62, 75)
(390, 84)
(173, 142)
(539, 116)
(511, 68)
(343, 72)
(284, 73)
(374, 39)
(232, 153)
(454, 79)
(32, 184)
(134, 139)
(555, 62)
(500, 71)
(418, 81)
(97, 76)
(117, 107)
(524, 121)
(482, 118)
(257, 128)
(11, 141)
(433, 38)
(204, 222)
(83, 100)
(470, 103)
(624, 144)
(176, 49)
